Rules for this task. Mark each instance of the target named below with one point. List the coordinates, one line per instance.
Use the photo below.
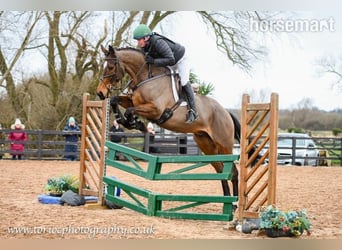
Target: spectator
(2, 145)
(152, 132)
(195, 87)
(17, 137)
(150, 128)
(71, 139)
(116, 138)
(116, 128)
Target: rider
(161, 51)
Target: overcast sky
(290, 68)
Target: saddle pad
(174, 87)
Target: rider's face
(142, 42)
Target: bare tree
(331, 66)
(70, 57)
(231, 30)
(261, 95)
(10, 26)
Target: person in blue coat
(71, 139)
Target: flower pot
(275, 233)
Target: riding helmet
(141, 31)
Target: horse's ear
(104, 50)
(111, 49)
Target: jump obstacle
(95, 122)
(151, 203)
(257, 184)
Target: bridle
(116, 76)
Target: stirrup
(191, 116)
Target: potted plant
(278, 223)
(56, 186)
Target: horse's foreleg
(115, 108)
(147, 110)
(128, 121)
(123, 101)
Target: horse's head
(112, 72)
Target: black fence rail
(40, 144)
(50, 144)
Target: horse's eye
(108, 65)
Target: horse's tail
(237, 127)
(237, 136)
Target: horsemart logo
(292, 25)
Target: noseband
(114, 77)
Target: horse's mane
(129, 48)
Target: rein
(148, 80)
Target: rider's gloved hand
(149, 59)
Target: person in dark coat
(71, 139)
(115, 128)
(162, 52)
(18, 137)
(114, 137)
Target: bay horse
(150, 95)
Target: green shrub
(62, 184)
(337, 131)
(295, 130)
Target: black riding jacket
(164, 51)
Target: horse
(149, 94)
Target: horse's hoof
(140, 126)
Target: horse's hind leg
(235, 180)
(206, 144)
(208, 147)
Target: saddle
(177, 90)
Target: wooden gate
(259, 130)
(95, 120)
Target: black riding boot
(192, 113)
